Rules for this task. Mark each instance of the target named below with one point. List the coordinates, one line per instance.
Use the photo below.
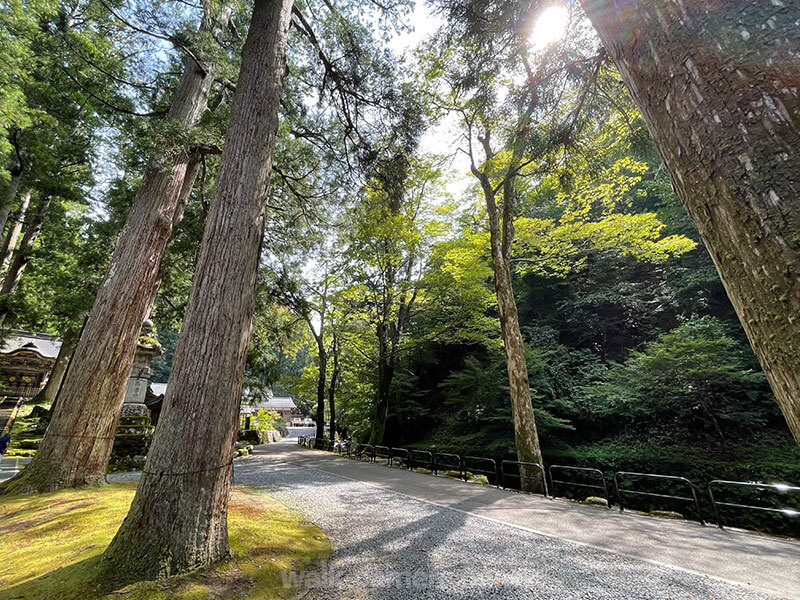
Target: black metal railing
(777, 487)
(383, 453)
(665, 478)
(415, 460)
(522, 475)
(401, 455)
(342, 448)
(363, 450)
(480, 465)
(447, 462)
(579, 484)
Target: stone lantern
(134, 430)
(147, 349)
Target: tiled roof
(44, 344)
(277, 402)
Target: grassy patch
(51, 544)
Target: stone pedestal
(134, 430)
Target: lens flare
(550, 26)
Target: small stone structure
(134, 430)
(146, 350)
(259, 436)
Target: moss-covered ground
(51, 547)
(23, 433)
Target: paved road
(10, 466)
(400, 535)
(295, 432)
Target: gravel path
(390, 546)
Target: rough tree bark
(178, 518)
(716, 82)
(526, 437)
(10, 242)
(22, 255)
(78, 442)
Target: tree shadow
(77, 581)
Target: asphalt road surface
(295, 432)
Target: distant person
(4, 442)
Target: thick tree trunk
(78, 442)
(178, 518)
(501, 238)
(389, 338)
(22, 256)
(322, 378)
(717, 83)
(10, 242)
(48, 394)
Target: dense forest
(376, 290)
(466, 239)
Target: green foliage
(370, 262)
(695, 377)
(478, 406)
(268, 420)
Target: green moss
(148, 342)
(52, 544)
(596, 501)
(23, 431)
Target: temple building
(26, 360)
(256, 400)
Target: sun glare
(550, 26)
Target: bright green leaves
(590, 220)
(548, 247)
(605, 192)
(594, 216)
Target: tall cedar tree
(178, 518)
(716, 82)
(77, 445)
